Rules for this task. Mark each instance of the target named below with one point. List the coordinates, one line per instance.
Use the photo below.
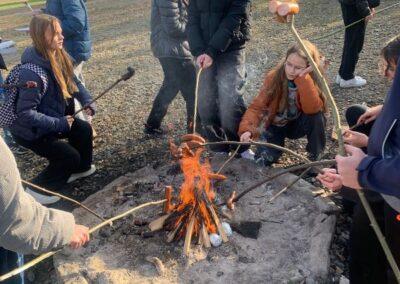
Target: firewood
(218, 224)
(167, 196)
(158, 223)
(171, 235)
(189, 232)
(205, 236)
(157, 263)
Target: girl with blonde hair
(45, 114)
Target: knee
(353, 113)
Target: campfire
(194, 215)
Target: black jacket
(363, 6)
(217, 26)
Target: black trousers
(64, 157)
(353, 41)
(367, 260)
(179, 75)
(8, 262)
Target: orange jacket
(308, 101)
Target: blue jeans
(6, 133)
(220, 98)
(310, 125)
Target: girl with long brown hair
(45, 113)
(292, 105)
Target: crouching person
(26, 226)
(292, 102)
(45, 119)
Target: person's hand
(370, 115)
(306, 71)
(330, 179)
(80, 236)
(347, 166)
(245, 137)
(88, 111)
(371, 15)
(354, 138)
(70, 120)
(204, 61)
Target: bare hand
(79, 237)
(306, 71)
(245, 137)
(204, 61)
(88, 111)
(330, 179)
(347, 166)
(70, 120)
(371, 15)
(354, 138)
(370, 115)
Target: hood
(31, 55)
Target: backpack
(8, 110)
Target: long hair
(279, 85)
(60, 61)
(391, 53)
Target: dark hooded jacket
(168, 29)
(380, 170)
(75, 25)
(218, 26)
(363, 6)
(42, 115)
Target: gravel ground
(120, 33)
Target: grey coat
(168, 29)
(25, 225)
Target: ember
(194, 215)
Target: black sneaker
(152, 131)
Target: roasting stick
(342, 151)
(63, 197)
(95, 228)
(196, 92)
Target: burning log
(194, 215)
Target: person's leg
(208, 108)
(353, 41)
(168, 91)
(63, 160)
(367, 260)
(8, 262)
(187, 84)
(353, 113)
(265, 155)
(80, 138)
(392, 233)
(231, 80)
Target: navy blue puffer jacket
(39, 115)
(75, 25)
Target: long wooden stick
(63, 197)
(196, 95)
(342, 152)
(97, 227)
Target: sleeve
(193, 31)
(256, 111)
(172, 22)
(380, 175)
(83, 95)
(26, 226)
(230, 23)
(28, 103)
(309, 99)
(363, 7)
(74, 20)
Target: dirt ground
(120, 34)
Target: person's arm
(256, 111)
(363, 8)
(172, 22)
(28, 103)
(74, 20)
(194, 32)
(231, 22)
(309, 99)
(26, 226)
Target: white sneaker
(41, 198)
(87, 173)
(338, 78)
(357, 81)
(248, 154)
